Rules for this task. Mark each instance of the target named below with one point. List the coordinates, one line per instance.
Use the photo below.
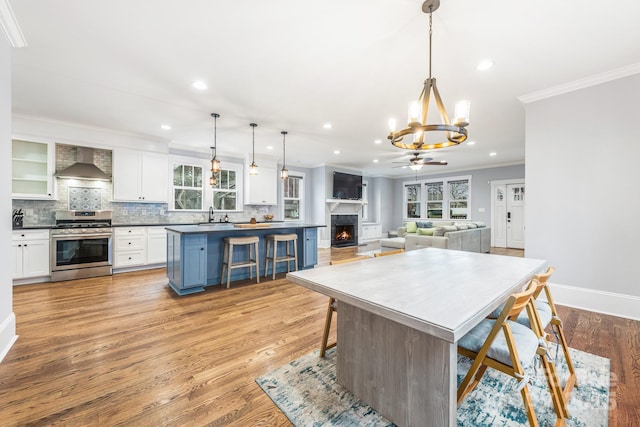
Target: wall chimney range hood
(84, 168)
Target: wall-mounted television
(347, 186)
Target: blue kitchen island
(194, 252)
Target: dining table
(400, 318)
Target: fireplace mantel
(354, 205)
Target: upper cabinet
(32, 170)
(261, 189)
(139, 176)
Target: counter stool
(288, 256)
(227, 256)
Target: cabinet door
(35, 258)
(156, 245)
(32, 170)
(153, 178)
(262, 189)
(310, 240)
(126, 175)
(194, 261)
(17, 260)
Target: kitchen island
(194, 252)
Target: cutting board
(261, 225)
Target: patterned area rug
(307, 393)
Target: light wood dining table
(400, 317)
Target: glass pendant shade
(253, 168)
(284, 173)
(215, 163)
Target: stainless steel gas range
(81, 245)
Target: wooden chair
(393, 252)
(509, 347)
(333, 307)
(548, 315)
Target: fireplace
(344, 230)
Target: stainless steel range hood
(84, 168)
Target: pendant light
(253, 168)
(215, 163)
(284, 173)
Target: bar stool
(227, 256)
(287, 257)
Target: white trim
(9, 25)
(7, 335)
(614, 304)
(581, 83)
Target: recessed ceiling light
(485, 64)
(336, 151)
(375, 160)
(471, 143)
(377, 141)
(165, 127)
(493, 154)
(200, 85)
(269, 147)
(327, 126)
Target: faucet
(211, 216)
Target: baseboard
(7, 335)
(620, 305)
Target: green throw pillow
(412, 227)
(426, 231)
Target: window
(225, 192)
(365, 204)
(443, 198)
(187, 187)
(293, 197)
(412, 197)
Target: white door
(515, 216)
(499, 226)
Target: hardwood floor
(125, 350)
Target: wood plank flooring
(125, 350)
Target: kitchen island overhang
(194, 252)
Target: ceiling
(128, 65)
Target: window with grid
(412, 200)
(187, 187)
(225, 192)
(293, 197)
(435, 198)
(458, 199)
(365, 204)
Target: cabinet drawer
(130, 243)
(30, 235)
(130, 258)
(129, 231)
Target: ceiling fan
(416, 162)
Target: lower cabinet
(139, 246)
(371, 231)
(186, 262)
(31, 249)
(310, 247)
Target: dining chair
(548, 315)
(331, 308)
(510, 347)
(393, 252)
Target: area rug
(306, 391)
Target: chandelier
(284, 172)
(417, 124)
(215, 163)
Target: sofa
(461, 235)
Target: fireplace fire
(344, 230)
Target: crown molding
(9, 25)
(581, 84)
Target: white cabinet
(139, 246)
(139, 176)
(371, 231)
(32, 168)
(262, 189)
(129, 246)
(30, 253)
(156, 245)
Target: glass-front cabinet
(32, 169)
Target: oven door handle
(80, 236)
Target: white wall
(7, 318)
(583, 194)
